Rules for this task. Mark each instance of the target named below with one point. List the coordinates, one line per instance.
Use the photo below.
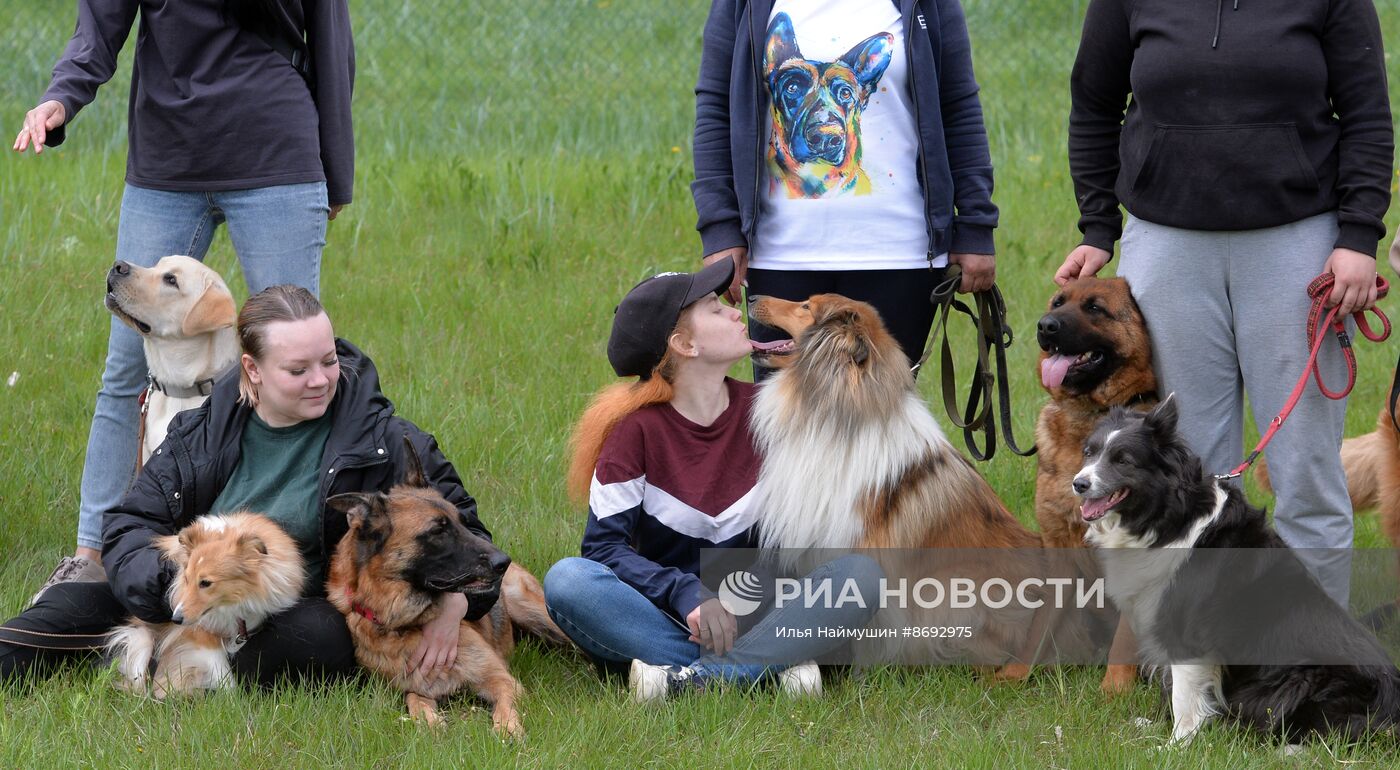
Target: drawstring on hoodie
(1219, 7)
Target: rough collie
(852, 458)
(1247, 632)
(233, 572)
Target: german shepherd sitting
(404, 552)
(816, 109)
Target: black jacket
(955, 166)
(364, 452)
(1245, 114)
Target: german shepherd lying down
(234, 572)
(852, 458)
(404, 552)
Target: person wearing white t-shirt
(840, 147)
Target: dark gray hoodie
(1245, 114)
(213, 106)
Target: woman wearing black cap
(667, 467)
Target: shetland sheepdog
(1247, 632)
(233, 572)
(852, 458)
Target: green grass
(518, 171)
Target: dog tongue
(1053, 369)
(1093, 509)
(768, 345)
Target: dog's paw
(423, 710)
(508, 726)
(1118, 680)
(1011, 673)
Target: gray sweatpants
(1227, 312)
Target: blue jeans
(278, 233)
(613, 622)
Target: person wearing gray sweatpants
(1232, 307)
(1254, 155)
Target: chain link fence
(594, 77)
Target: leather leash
(1320, 319)
(993, 334)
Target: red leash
(1320, 318)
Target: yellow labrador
(185, 315)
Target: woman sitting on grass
(302, 420)
(668, 468)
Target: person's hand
(740, 255)
(1355, 287)
(38, 122)
(335, 211)
(712, 627)
(979, 271)
(1084, 262)
(438, 649)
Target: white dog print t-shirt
(841, 186)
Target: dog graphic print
(816, 144)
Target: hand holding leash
(1321, 319)
(1356, 289)
(979, 271)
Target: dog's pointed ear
(357, 506)
(1162, 419)
(367, 513)
(869, 59)
(782, 43)
(413, 474)
(213, 310)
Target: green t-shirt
(278, 475)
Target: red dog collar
(364, 612)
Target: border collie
(1212, 591)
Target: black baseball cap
(644, 320)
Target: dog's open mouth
(115, 306)
(1057, 366)
(774, 348)
(1094, 508)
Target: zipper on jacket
(918, 123)
(762, 140)
(327, 479)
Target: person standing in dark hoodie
(300, 421)
(1255, 153)
(239, 113)
(839, 147)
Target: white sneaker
(651, 684)
(803, 680)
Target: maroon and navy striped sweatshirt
(663, 489)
